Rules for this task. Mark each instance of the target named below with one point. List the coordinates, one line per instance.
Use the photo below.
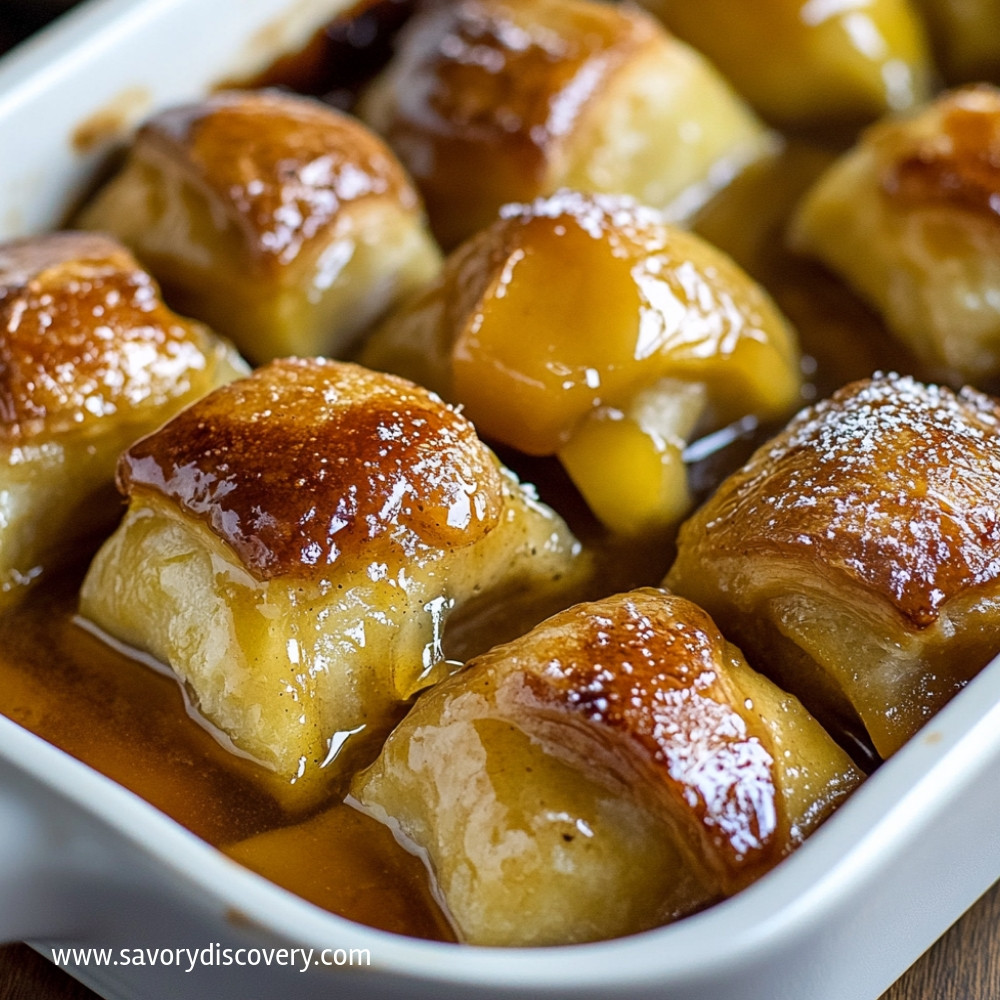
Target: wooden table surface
(963, 965)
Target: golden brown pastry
(586, 327)
(966, 38)
(493, 101)
(856, 557)
(909, 218)
(293, 548)
(616, 768)
(286, 225)
(90, 360)
(810, 62)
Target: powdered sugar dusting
(894, 482)
(647, 665)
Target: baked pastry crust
(90, 360)
(293, 548)
(617, 767)
(587, 327)
(909, 219)
(285, 224)
(804, 64)
(494, 101)
(855, 558)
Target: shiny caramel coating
(952, 161)
(90, 360)
(808, 64)
(635, 700)
(587, 327)
(86, 337)
(284, 223)
(909, 218)
(294, 548)
(650, 673)
(494, 101)
(857, 554)
(309, 463)
(282, 168)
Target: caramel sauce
(111, 123)
(130, 723)
(342, 56)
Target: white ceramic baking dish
(84, 862)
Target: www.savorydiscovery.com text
(212, 956)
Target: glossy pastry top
(488, 102)
(310, 462)
(85, 334)
(508, 74)
(575, 302)
(891, 482)
(300, 164)
(649, 669)
(948, 155)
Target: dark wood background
(963, 965)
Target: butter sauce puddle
(128, 719)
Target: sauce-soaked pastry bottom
(129, 723)
(617, 767)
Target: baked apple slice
(803, 63)
(586, 327)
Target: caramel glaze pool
(130, 723)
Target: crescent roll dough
(617, 767)
(286, 225)
(586, 327)
(492, 101)
(856, 557)
(90, 360)
(293, 547)
(909, 219)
